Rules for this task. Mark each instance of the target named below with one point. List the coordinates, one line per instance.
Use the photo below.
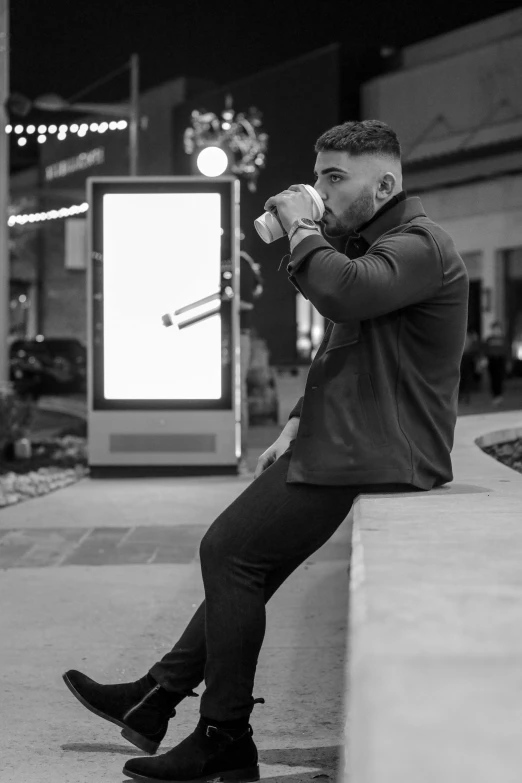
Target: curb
(63, 405)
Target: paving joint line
(123, 539)
(151, 558)
(75, 546)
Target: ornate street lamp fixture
(235, 136)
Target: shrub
(16, 416)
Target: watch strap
(296, 225)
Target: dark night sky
(62, 46)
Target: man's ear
(387, 185)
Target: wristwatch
(306, 223)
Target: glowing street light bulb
(212, 161)
(22, 141)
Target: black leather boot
(142, 708)
(206, 754)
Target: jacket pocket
(344, 334)
(371, 410)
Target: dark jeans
(246, 554)
(497, 373)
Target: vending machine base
(162, 443)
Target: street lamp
(239, 134)
(212, 161)
(4, 192)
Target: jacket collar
(397, 211)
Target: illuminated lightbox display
(163, 379)
(162, 254)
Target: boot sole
(138, 740)
(244, 775)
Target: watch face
(308, 222)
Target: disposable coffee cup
(270, 228)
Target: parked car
(51, 365)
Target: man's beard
(358, 213)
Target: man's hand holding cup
(282, 210)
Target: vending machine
(163, 325)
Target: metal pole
(4, 191)
(134, 114)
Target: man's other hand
(279, 446)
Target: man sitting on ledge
(378, 415)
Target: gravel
(509, 453)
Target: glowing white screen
(161, 252)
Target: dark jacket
(381, 396)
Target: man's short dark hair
(368, 137)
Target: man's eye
(335, 177)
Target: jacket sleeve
(398, 270)
(296, 410)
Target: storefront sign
(82, 161)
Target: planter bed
(54, 463)
(509, 453)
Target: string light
(53, 214)
(22, 141)
(63, 130)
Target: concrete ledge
(434, 672)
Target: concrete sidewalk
(103, 576)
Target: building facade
(455, 102)
(48, 258)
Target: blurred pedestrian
(378, 415)
(496, 351)
(250, 289)
(467, 366)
